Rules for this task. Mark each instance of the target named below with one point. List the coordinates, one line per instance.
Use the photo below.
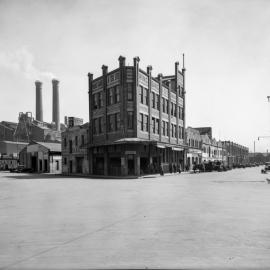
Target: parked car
(198, 168)
(20, 168)
(266, 167)
(217, 166)
(209, 166)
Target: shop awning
(160, 146)
(130, 140)
(177, 149)
(194, 151)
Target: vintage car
(266, 167)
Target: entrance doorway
(155, 165)
(40, 165)
(46, 165)
(70, 166)
(131, 167)
(115, 166)
(98, 166)
(144, 162)
(34, 163)
(79, 164)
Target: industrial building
(42, 157)
(137, 121)
(15, 136)
(10, 148)
(7, 130)
(35, 129)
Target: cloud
(22, 61)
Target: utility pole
(254, 151)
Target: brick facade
(74, 150)
(137, 121)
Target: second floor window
(111, 122)
(100, 124)
(82, 139)
(153, 124)
(146, 123)
(141, 94)
(157, 126)
(117, 121)
(167, 129)
(163, 128)
(70, 146)
(180, 132)
(163, 105)
(173, 109)
(130, 120)
(97, 125)
(141, 121)
(181, 114)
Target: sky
(226, 46)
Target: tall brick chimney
(39, 105)
(55, 108)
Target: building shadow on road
(34, 176)
(60, 176)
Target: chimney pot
(149, 69)
(104, 68)
(160, 75)
(136, 59)
(122, 60)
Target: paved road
(182, 221)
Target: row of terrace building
(202, 147)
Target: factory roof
(9, 125)
(13, 142)
(53, 147)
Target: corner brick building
(137, 122)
